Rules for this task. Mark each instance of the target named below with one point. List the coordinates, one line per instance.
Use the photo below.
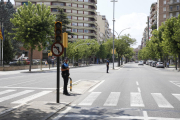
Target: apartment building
(81, 13)
(153, 18)
(103, 25)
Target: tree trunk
(31, 60)
(176, 63)
(179, 62)
(121, 60)
(118, 61)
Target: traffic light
(65, 40)
(58, 31)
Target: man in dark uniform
(65, 75)
(107, 64)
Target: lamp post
(121, 32)
(113, 28)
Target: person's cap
(66, 58)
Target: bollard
(70, 84)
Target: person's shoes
(67, 94)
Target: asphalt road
(25, 87)
(130, 93)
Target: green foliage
(8, 53)
(33, 24)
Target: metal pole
(2, 47)
(113, 32)
(57, 80)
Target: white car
(160, 64)
(141, 63)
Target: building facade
(152, 19)
(81, 13)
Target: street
(131, 92)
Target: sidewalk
(171, 69)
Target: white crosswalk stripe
(29, 98)
(161, 101)
(136, 100)
(6, 91)
(177, 96)
(15, 95)
(112, 100)
(90, 99)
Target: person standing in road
(65, 75)
(107, 64)
(167, 64)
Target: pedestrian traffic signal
(65, 40)
(58, 31)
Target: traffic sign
(57, 49)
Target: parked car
(160, 64)
(14, 62)
(136, 61)
(149, 63)
(153, 64)
(140, 63)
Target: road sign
(57, 49)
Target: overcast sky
(128, 13)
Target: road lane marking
(177, 96)
(90, 99)
(161, 101)
(139, 90)
(15, 95)
(64, 112)
(11, 78)
(6, 91)
(176, 83)
(116, 117)
(145, 115)
(136, 100)
(137, 83)
(113, 98)
(29, 98)
(96, 86)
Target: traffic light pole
(58, 79)
(64, 52)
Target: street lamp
(121, 32)
(113, 28)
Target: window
(74, 30)
(74, 36)
(80, 24)
(81, 37)
(54, 9)
(68, 11)
(80, 6)
(171, 8)
(24, 3)
(74, 24)
(86, 0)
(164, 16)
(74, 11)
(75, 18)
(86, 19)
(171, 15)
(177, 14)
(80, 0)
(85, 6)
(39, 3)
(86, 31)
(80, 31)
(80, 18)
(34, 3)
(164, 9)
(164, 2)
(86, 25)
(68, 30)
(56, 3)
(177, 7)
(69, 17)
(86, 13)
(85, 37)
(74, 5)
(47, 3)
(68, 4)
(80, 12)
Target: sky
(128, 14)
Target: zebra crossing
(136, 99)
(21, 97)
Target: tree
(33, 26)
(62, 17)
(8, 53)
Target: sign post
(57, 50)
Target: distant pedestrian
(65, 75)
(107, 64)
(46, 63)
(167, 64)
